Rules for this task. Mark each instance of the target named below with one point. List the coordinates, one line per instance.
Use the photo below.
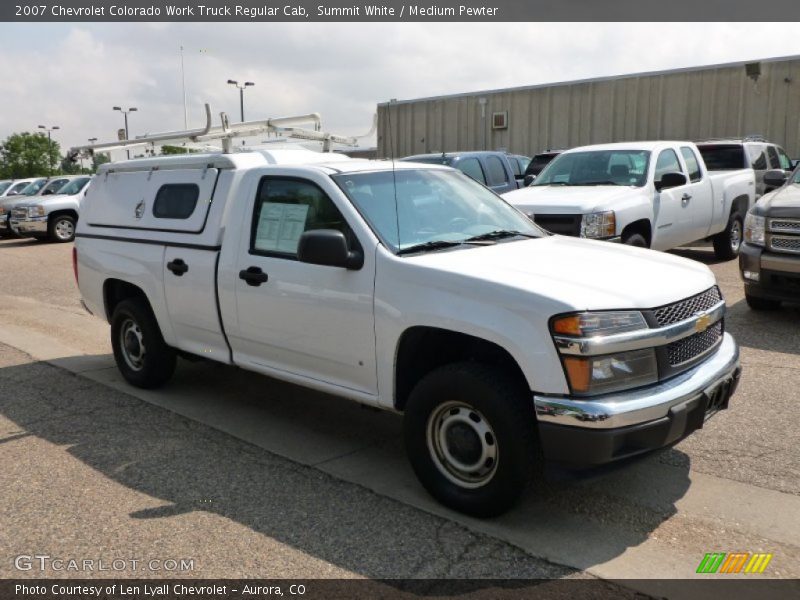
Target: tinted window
(4, 186)
(17, 188)
(786, 162)
(74, 186)
(285, 208)
(667, 163)
(774, 162)
(691, 163)
(723, 157)
(539, 162)
(496, 173)
(176, 201)
(472, 167)
(54, 186)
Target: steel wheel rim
(131, 342)
(64, 229)
(736, 235)
(462, 444)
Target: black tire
(144, 359)
(61, 228)
(728, 242)
(635, 239)
(499, 401)
(756, 303)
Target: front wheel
(635, 239)
(470, 434)
(61, 228)
(756, 303)
(728, 242)
(142, 356)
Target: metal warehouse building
(735, 99)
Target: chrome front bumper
(30, 225)
(624, 409)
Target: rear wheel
(142, 356)
(470, 434)
(61, 228)
(757, 303)
(728, 242)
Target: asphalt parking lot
(251, 477)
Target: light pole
(91, 141)
(241, 93)
(125, 112)
(49, 145)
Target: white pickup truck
(650, 194)
(410, 288)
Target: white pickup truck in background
(650, 194)
(414, 289)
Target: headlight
(602, 374)
(754, 228)
(589, 375)
(2, 210)
(35, 211)
(599, 225)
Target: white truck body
(700, 208)
(362, 331)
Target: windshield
(5, 185)
(412, 207)
(33, 187)
(54, 186)
(18, 187)
(597, 167)
(74, 186)
(723, 157)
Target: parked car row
(42, 208)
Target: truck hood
(574, 273)
(783, 202)
(556, 199)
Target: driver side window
(667, 163)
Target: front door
(668, 205)
(311, 321)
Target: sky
(71, 75)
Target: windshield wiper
(432, 245)
(551, 183)
(498, 234)
(598, 183)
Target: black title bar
(398, 10)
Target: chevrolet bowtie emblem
(702, 323)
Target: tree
(99, 159)
(28, 155)
(176, 150)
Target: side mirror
(528, 180)
(671, 180)
(775, 178)
(328, 247)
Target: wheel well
(423, 349)
(116, 290)
(740, 205)
(642, 227)
(64, 211)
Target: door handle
(253, 276)
(685, 199)
(178, 267)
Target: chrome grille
(784, 226)
(696, 345)
(686, 309)
(781, 243)
(19, 213)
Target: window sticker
(280, 227)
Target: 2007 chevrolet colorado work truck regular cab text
(411, 288)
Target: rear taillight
(75, 262)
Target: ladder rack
(227, 132)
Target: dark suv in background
(752, 152)
(538, 162)
(492, 169)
